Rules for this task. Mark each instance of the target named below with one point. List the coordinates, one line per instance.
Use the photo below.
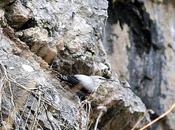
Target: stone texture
(37, 99)
(166, 27)
(117, 99)
(17, 14)
(30, 94)
(74, 26)
(39, 36)
(38, 41)
(140, 35)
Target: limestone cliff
(40, 38)
(139, 40)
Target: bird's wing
(70, 79)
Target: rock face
(41, 38)
(31, 98)
(139, 39)
(113, 99)
(71, 30)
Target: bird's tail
(70, 79)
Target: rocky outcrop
(30, 97)
(121, 109)
(69, 30)
(140, 40)
(42, 38)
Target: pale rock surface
(140, 43)
(66, 36)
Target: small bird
(82, 83)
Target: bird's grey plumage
(87, 84)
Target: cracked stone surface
(40, 37)
(139, 41)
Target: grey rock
(17, 14)
(141, 41)
(73, 28)
(33, 93)
(68, 37)
(123, 108)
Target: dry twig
(158, 118)
(48, 118)
(37, 108)
(139, 120)
(87, 105)
(102, 110)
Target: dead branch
(102, 109)
(158, 118)
(87, 104)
